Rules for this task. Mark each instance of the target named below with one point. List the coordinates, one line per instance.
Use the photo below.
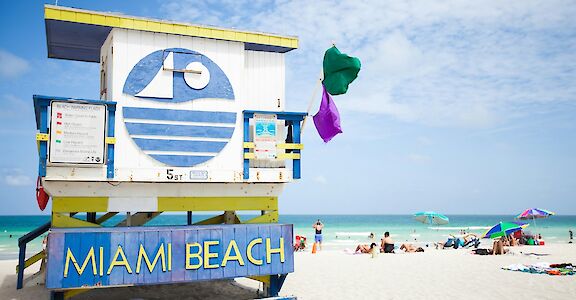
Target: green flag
(339, 71)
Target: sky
(462, 107)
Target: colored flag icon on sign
(58, 141)
(58, 132)
(59, 115)
(58, 123)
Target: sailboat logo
(180, 137)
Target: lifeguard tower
(189, 119)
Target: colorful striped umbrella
(534, 213)
(430, 217)
(503, 229)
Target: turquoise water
(341, 231)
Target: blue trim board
(280, 115)
(178, 145)
(178, 115)
(179, 130)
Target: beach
(336, 274)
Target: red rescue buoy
(41, 195)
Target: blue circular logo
(178, 137)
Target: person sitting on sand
(470, 240)
(498, 246)
(387, 244)
(512, 241)
(411, 248)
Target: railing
(293, 121)
(22, 262)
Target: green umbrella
(503, 229)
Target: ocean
(340, 232)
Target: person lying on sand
(365, 248)
(411, 248)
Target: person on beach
(571, 236)
(498, 246)
(411, 248)
(387, 244)
(318, 226)
(364, 248)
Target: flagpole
(311, 102)
(318, 84)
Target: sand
(434, 274)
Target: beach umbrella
(534, 213)
(430, 217)
(503, 229)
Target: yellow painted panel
(74, 292)
(294, 43)
(98, 19)
(204, 32)
(168, 28)
(153, 26)
(68, 16)
(112, 21)
(264, 39)
(248, 145)
(63, 221)
(50, 13)
(110, 140)
(140, 25)
(286, 43)
(274, 40)
(126, 23)
(288, 156)
(180, 29)
(216, 203)
(42, 137)
(241, 36)
(83, 18)
(289, 146)
(229, 35)
(80, 204)
(192, 30)
(270, 217)
(264, 279)
(251, 38)
(249, 155)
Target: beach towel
(543, 268)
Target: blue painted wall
(173, 239)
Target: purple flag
(327, 119)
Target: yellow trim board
(42, 137)
(289, 146)
(74, 15)
(216, 203)
(79, 204)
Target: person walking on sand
(318, 226)
(571, 236)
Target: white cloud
(451, 63)
(17, 180)
(320, 179)
(12, 66)
(418, 158)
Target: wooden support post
(229, 217)
(21, 260)
(219, 219)
(91, 217)
(189, 218)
